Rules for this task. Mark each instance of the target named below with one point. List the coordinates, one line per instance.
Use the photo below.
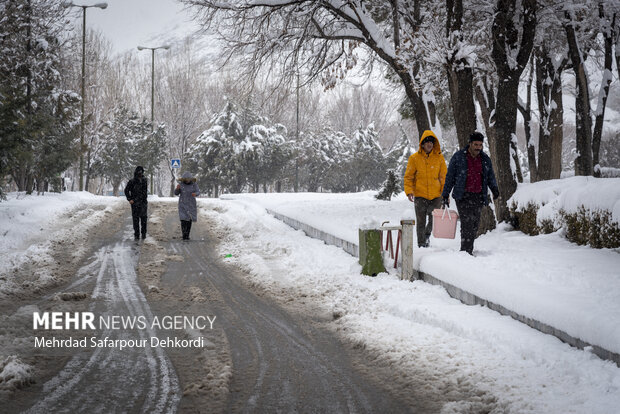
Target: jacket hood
(187, 176)
(436, 146)
(137, 170)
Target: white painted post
(407, 272)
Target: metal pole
(297, 136)
(81, 185)
(152, 89)
(152, 103)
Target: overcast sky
(129, 23)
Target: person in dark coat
(136, 192)
(470, 176)
(187, 190)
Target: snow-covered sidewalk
(483, 361)
(574, 289)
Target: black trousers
(469, 208)
(138, 214)
(424, 218)
(186, 226)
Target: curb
(351, 248)
(456, 292)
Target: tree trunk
(557, 125)
(460, 83)
(29, 184)
(618, 55)
(486, 99)
(172, 182)
(509, 70)
(487, 220)
(583, 122)
(526, 112)
(88, 162)
(417, 103)
(544, 72)
(603, 93)
(514, 151)
(505, 126)
(460, 78)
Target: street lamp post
(153, 49)
(83, 7)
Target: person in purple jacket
(187, 190)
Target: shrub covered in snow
(587, 208)
(594, 228)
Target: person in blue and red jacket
(469, 178)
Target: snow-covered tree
(37, 115)
(323, 158)
(398, 156)
(390, 187)
(323, 38)
(150, 147)
(583, 23)
(213, 155)
(128, 142)
(368, 162)
(228, 156)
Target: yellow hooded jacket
(426, 173)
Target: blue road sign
(175, 163)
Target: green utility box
(370, 252)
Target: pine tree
(213, 155)
(368, 164)
(390, 187)
(37, 116)
(128, 142)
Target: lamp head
(101, 5)
(141, 48)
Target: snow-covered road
(141, 379)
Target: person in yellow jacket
(424, 179)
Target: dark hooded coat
(187, 202)
(137, 190)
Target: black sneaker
(144, 236)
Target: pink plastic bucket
(444, 223)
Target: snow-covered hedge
(609, 172)
(587, 208)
